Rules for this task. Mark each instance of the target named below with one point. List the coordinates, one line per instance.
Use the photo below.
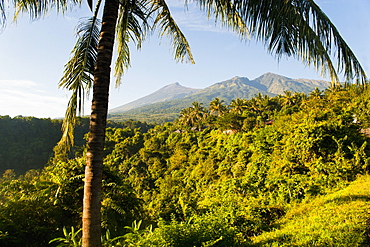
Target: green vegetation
(27, 142)
(290, 170)
(337, 219)
(35, 137)
(152, 118)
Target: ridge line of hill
(174, 97)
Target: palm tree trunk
(91, 218)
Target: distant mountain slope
(169, 92)
(237, 87)
(277, 84)
(174, 97)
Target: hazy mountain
(237, 87)
(170, 99)
(277, 84)
(169, 92)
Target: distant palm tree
(260, 103)
(217, 107)
(193, 116)
(316, 94)
(299, 98)
(238, 106)
(288, 99)
(287, 27)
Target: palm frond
(300, 29)
(2, 15)
(347, 60)
(78, 77)
(39, 8)
(90, 3)
(131, 26)
(225, 12)
(168, 26)
(293, 36)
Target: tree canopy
(258, 185)
(292, 28)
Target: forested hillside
(27, 142)
(290, 170)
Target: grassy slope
(338, 219)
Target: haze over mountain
(174, 97)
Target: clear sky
(33, 55)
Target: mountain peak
(277, 84)
(235, 78)
(175, 84)
(236, 87)
(168, 92)
(270, 75)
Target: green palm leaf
(347, 61)
(2, 15)
(168, 27)
(131, 26)
(78, 77)
(39, 8)
(227, 14)
(299, 28)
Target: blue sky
(33, 55)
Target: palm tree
(129, 20)
(217, 107)
(288, 99)
(287, 27)
(238, 106)
(316, 94)
(260, 103)
(300, 98)
(193, 116)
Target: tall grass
(338, 219)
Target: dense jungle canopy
(290, 170)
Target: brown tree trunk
(91, 218)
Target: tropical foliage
(292, 28)
(289, 175)
(42, 136)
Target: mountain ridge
(169, 92)
(236, 87)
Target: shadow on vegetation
(348, 198)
